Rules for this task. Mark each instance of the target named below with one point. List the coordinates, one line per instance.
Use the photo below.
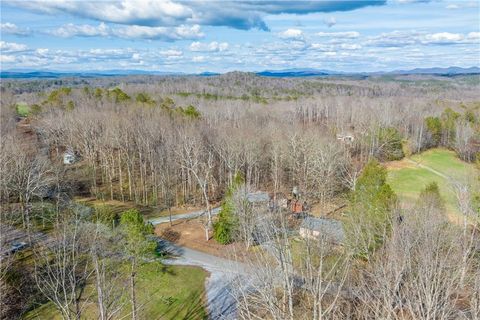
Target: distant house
(69, 157)
(345, 137)
(314, 228)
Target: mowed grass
(163, 292)
(447, 162)
(408, 177)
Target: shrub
(118, 95)
(434, 128)
(224, 227)
(144, 98)
(430, 196)
(105, 215)
(191, 112)
(22, 109)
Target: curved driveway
(221, 303)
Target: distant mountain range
(25, 74)
(317, 73)
(442, 71)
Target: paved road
(220, 302)
(190, 215)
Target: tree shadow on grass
(192, 308)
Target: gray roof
(329, 227)
(255, 197)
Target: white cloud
(171, 53)
(159, 33)
(325, 47)
(292, 34)
(169, 13)
(7, 58)
(346, 34)
(10, 28)
(452, 6)
(85, 30)
(130, 32)
(473, 36)
(407, 38)
(189, 32)
(348, 46)
(213, 46)
(320, 46)
(6, 47)
(394, 39)
(462, 4)
(198, 59)
(443, 37)
(42, 51)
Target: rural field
(239, 160)
(409, 176)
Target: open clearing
(408, 177)
(191, 234)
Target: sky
(194, 36)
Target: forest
(385, 170)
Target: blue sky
(195, 36)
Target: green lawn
(446, 162)
(163, 292)
(408, 179)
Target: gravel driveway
(220, 303)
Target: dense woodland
(167, 142)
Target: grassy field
(408, 177)
(163, 292)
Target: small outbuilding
(345, 137)
(314, 228)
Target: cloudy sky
(195, 36)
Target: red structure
(296, 206)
